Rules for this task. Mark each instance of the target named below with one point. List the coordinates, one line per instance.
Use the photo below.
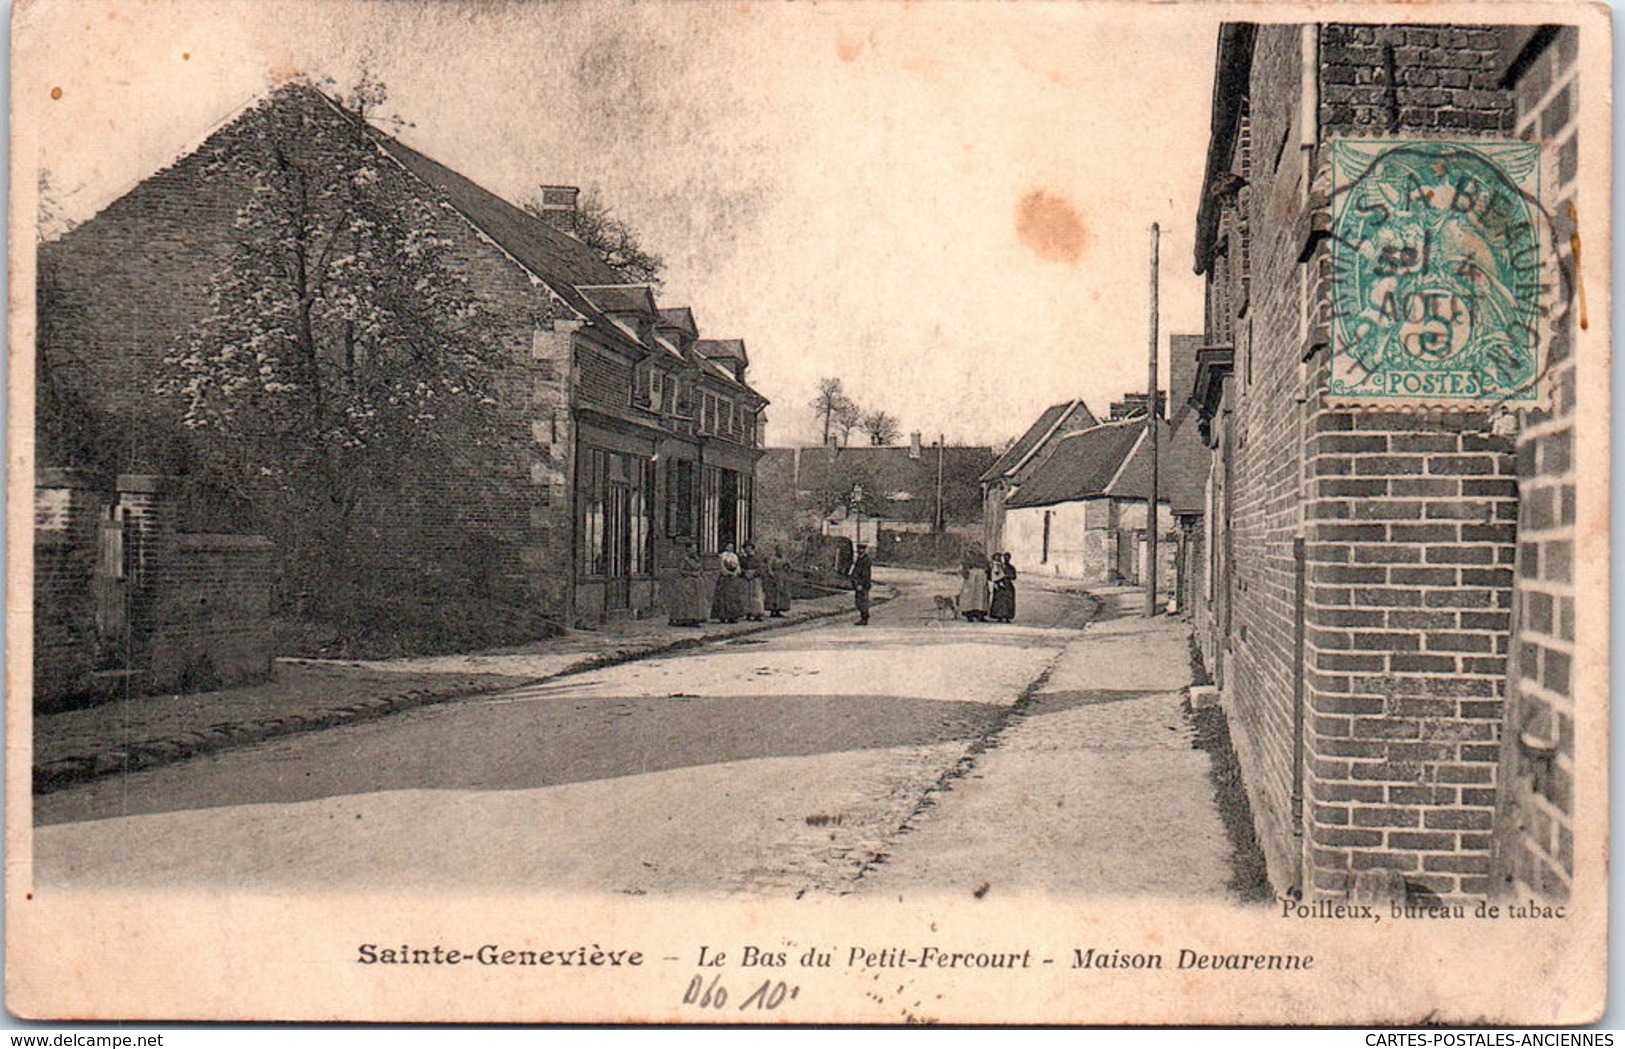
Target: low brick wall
(124, 605)
(212, 612)
(65, 636)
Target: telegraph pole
(1151, 441)
(940, 524)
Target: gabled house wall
(122, 290)
(129, 284)
(1023, 456)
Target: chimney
(914, 445)
(559, 206)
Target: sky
(945, 205)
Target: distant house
(618, 433)
(1030, 448)
(910, 490)
(1081, 512)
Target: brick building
(1535, 835)
(1356, 592)
(615, 432)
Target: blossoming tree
(344, 362)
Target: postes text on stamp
(1436, 274)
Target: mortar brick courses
(1400, 523)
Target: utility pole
(940, 523)
(1151, 441)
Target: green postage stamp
(1437, 254)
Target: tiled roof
(1081, 466)
(560, 262)
(717, 371)
(671, 350)
(681, 318)
(620, 298)
(1182, 461)
(722, 349)
(556, 257)
(1074, 412)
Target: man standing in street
(861, 581)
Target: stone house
(1361, 567)
(617, 432)
(1012, 466)
(1080, 512)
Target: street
(825, 758)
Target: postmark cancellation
(1441, 274)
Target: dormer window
(657, 389)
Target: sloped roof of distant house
(1182, 461)
(1113, 461)
(898, 486)
(1037, 434)
(1081, 466)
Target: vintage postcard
(758, 513)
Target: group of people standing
(748, 586)
(987, 589)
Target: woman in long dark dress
(689, 603)
(776, 584)
(1002, 607)
(729, 603)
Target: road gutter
(119, 759)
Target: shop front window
(614, 497)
